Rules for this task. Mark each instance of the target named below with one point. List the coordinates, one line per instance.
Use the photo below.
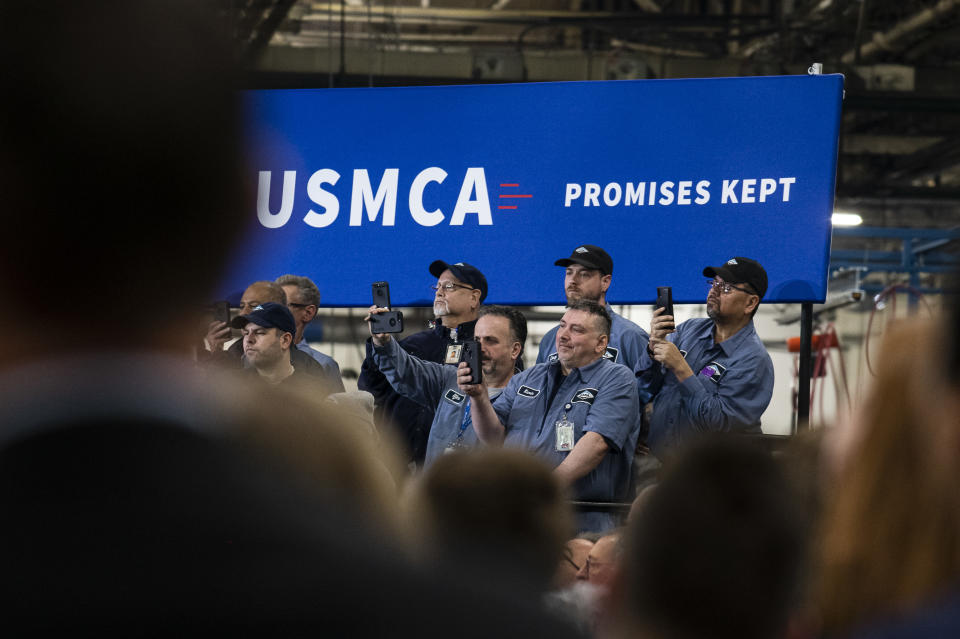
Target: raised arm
(490, 430)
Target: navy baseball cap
(464, 272)
(590, 256)
(741, 270)
(268, 315)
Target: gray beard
(440, 309)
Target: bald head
(574, 556)
(602, 561)
(259, 293)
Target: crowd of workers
(579, 407)
(142, 496)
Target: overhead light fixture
(846, 219)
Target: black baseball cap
(268, 315)
(464, 272)
(590, 256)
(741, 270)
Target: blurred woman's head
(891, 532)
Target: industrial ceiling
(900, 143)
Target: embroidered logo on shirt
(553, 357)
(526, 391)
(714, 371)
(611, 353)
(585, 396)
(454, 397)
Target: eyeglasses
(449, 286)
(596, 564)
(297, 305)
(725, 288)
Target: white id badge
(564, 435)
(454, 446)
(453, 354)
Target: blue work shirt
(435, 386)
(730, 388)
(626, 344)
(600, 397)
(331, 370)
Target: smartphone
(470, 353)
(389, 322)
(221, 312)
(665, 300)
(381, 295)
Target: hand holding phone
(221, 312)
(470, 353)
(388, 321)
(659, 328)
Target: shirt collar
(584, 373)
(729, 346)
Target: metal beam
(892, 39)
(267, 27)
(896, 232)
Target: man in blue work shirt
(712, 374)
(589, 271)
(458, 293)
(501, 332)
(580, 413)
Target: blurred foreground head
(118, 168)
(891, 528)
(497, 512)
(716, 549)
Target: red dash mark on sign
(511, 207)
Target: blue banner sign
(358, 185)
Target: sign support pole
(806, 366)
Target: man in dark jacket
(459, 292)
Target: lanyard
(466, 420)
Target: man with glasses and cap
(709, 374)
(458, 293)
(589, 271)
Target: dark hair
(518, 323)
(717, 550)
(606, 322)
(496, 507)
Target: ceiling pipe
(889, 41)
